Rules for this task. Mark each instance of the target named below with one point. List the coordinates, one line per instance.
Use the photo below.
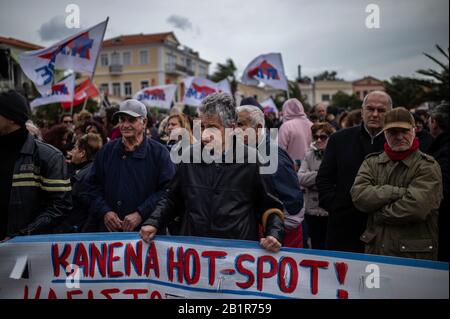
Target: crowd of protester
(373, 179)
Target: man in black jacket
(343, 156)
(439, 149)
(221, 194)
(34, 182)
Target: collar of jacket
(365, 132)
(407, 161)
(139, 152)
(29, 145)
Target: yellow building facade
(131, 62)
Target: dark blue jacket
(285, 182)
(127, 182)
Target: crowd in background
(329, 218)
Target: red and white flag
(269, 107)
(78, 53)
(61, 92)
(268, 69)
(83, 91)
(197, 89)
(157, 96)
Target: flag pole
(96, 59)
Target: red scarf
(399, 156)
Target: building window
(115, 58)
(126, 58)
(325, 97)
(171, 60)
(365, 93)
(128, 89)
(144, 84)
(116, 89)
(202, 71)
(143, 57)
(104, 60)
(104, 88)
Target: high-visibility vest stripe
(38, 177)
(45, 188)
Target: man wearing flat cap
(34, 182)
(400, 189)
(130, 174)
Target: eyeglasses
(323, 137)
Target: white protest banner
(269, 106)
(120, 265)
(78, 53)
(157, 96)
(199, 88)
(266, 68)
(61, 92)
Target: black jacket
(222, 200)
(439, 149)
(343, 156)
(79, 219)
(40, 190)
(425, 140)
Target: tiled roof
(19, 43)
(136, 39)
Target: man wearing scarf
(400, 189)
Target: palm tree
(439, 87)
(226, 71)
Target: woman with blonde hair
(174, 129)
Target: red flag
(83, 91)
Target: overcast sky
(319, 35)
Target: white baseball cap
(132, 108)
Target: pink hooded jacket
(295, 132)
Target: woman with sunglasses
(315, 217)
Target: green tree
(437, 89)
(405, 91)
(226, 71)
(327, 76)
(346, 101)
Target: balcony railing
(177, 69)
(115, 69)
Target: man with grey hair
(439, 149)
(216, 197)
(130, 174)
(343, 156)
(284, 181)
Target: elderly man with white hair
(130, 174)
(220, 199)
(284, 181)
(345, 152)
